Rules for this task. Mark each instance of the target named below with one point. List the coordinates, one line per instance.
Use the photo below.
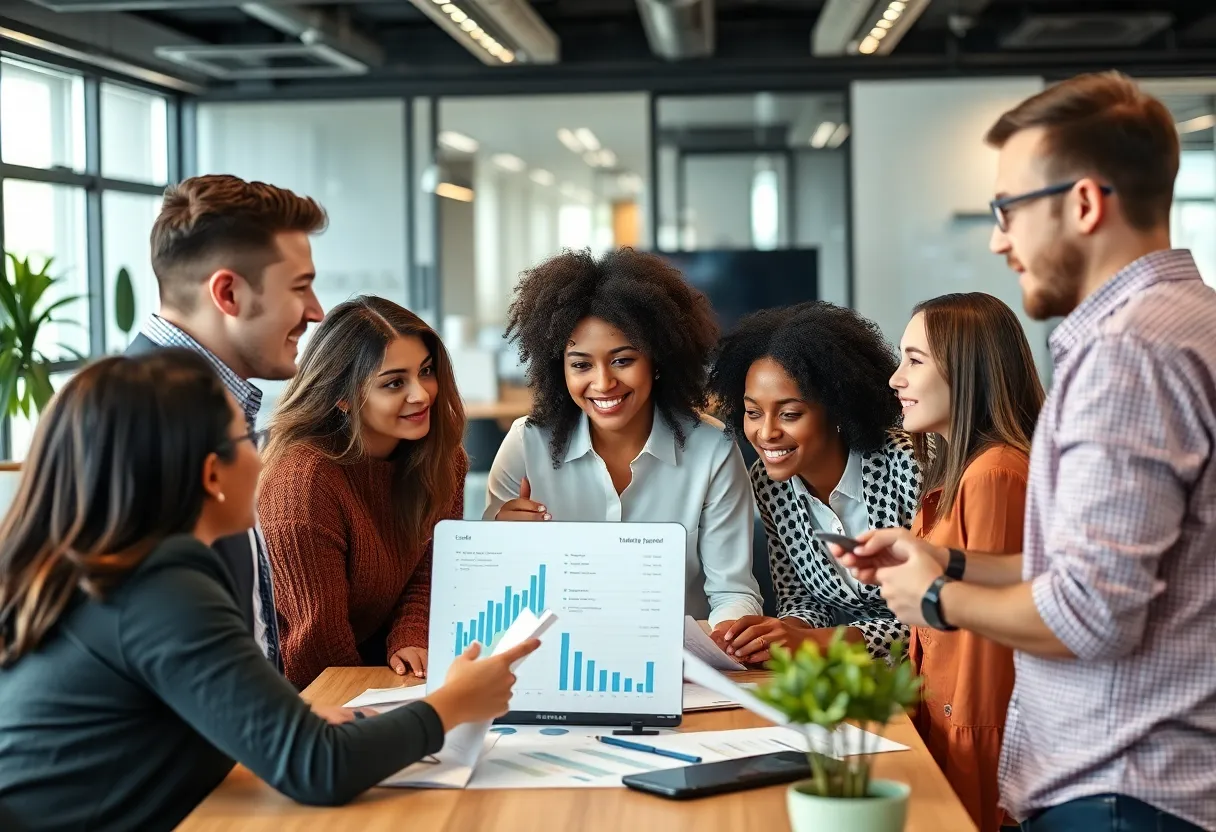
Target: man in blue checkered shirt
(233, 261)
(1111, 608)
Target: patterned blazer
(805, 576)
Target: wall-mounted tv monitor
(743, 281)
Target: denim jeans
(1106, 813)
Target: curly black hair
(643, 296)
(837, 358)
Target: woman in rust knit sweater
(968, 379)
(364, 458)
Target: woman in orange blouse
(967, 378)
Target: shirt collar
(165, 334)
(850, 484)
(1157, 267)
(661, 444)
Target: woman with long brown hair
(129, 679)
(967, 379)
(364, 458)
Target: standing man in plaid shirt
(234, 264)
(1112, 606)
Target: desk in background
(242, 803)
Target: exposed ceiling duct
(324, 45)
(863, 27)
(497, 32)
(679, 29)
(1093, 30)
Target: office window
(40, 221)
(128, 223)
(41, 116)
(23, 428)
(89, 208)
(134, 135)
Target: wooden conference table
(242, 803)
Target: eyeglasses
(255, 437)
(998, 206)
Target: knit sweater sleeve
(411, 616)
(307, 541)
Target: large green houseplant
(821, 690)
(25, 372)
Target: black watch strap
(931, 605)
(957, 565)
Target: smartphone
(708, 779)
(846, 543)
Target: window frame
(94, 185)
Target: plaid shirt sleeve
(1130, 446)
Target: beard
(1055, 276)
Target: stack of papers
(698, 642)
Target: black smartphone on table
(719, 778)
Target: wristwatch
(931, 605)
(957, 565)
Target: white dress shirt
(703, 486)
(845, 512)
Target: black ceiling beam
(717, 76)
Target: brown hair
(1102, 125)
(116, 466)
(995, 393)
(339, 364)
(219, 221)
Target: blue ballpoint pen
(649, 749)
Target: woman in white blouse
(808, 386)
(616, 351)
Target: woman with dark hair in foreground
(129, 679)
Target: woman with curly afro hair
(616, 350)
(808, 386)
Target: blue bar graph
(596, 679)
(498, 616)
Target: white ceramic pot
(885, 810)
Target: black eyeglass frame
(998, 206)
(254, 436)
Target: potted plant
(124, 302)
(821, 689)
(25, 373)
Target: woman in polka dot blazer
(808, 386)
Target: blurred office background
(777, 150)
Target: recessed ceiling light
(567, 137)
(510, 162)
(878, 33)
(541, 177)
(822, 133)
(469, 24)
(868, 46)
(883, 24)
(587, 138)
(891, 15)
(897, 5)
(507, 56)
(448, 8)
(453, 191)
(838, 136)
(458, 141)
(459, 17)
(1194, 125)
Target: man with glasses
(234, 266)
(1112, 607)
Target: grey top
(134, 709)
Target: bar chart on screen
(618, 591)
